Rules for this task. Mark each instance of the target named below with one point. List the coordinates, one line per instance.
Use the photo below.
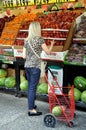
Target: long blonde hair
(34, 30)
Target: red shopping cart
(64, 99)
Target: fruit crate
(62, 42)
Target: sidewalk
(13, 115)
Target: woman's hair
(34, 30)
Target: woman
(34, 44)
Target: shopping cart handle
(50, 72)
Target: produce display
(5, 80)
(75, 54)
(9, 33)
(79, 89)
(77, 50)
(3, 20)
(81, 30)
(54, 20)
(11, 28)
(14, 29)
(16, 26)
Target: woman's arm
(46, 49)
(24, 53)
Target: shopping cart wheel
(75, 115)
(49, 120)
(70, 124)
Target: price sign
(17, 3)
(18, 52)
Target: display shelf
(58, 39)
(76, 55)
(8, 91)
(48, 29)
(80, 104)
(70, 72)
(19, 63)
(79, 39)
(58, 35)
(74, 39)
(4, 88)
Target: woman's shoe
(34, 113)
(35, 107)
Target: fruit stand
(15, 28)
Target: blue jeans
(33, 76)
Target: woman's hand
(24, 53)
(52, 42)
(47, 49)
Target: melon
(83, 96)
(24, 85)
(42, 88)
(2, 81)
(57, 111)
(22, 78)
(10, 82)
(80, 83)
(77, 94)
(3, 73)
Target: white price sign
(18, 52)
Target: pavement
(13, 115)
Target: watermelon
(57, 111)
(42, 88)
(24, 85)
(10, 82)
(2, 81)
(3, 73)
(83, 96)
(77, 94)
(80, 83)
(78, 4)
(22, 78)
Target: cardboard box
(18, 51)
(56, 56)
(58, 73)
(10, 72)
(6, 50)
(78, 20)
(80, 38)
